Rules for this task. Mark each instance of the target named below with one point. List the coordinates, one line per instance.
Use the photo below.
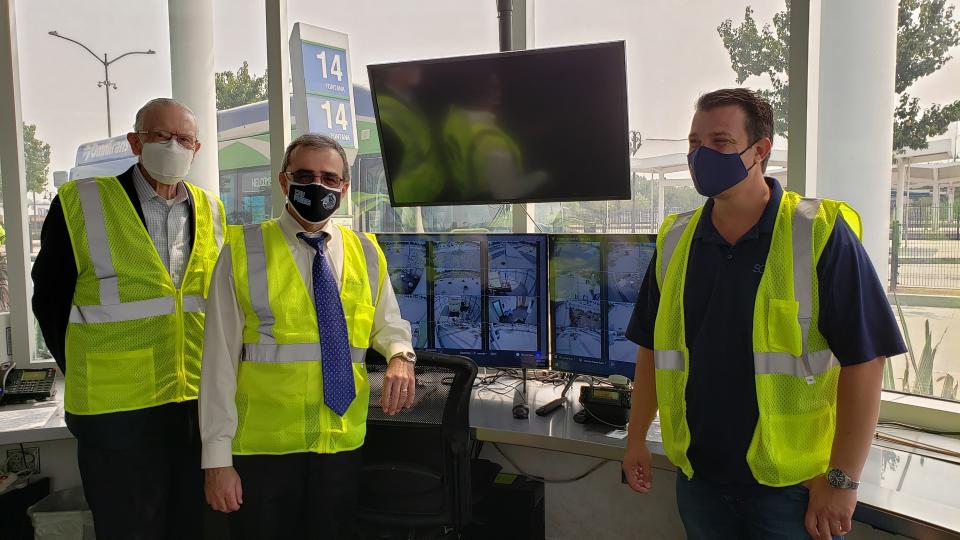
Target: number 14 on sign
(335, 68)
(341, 115)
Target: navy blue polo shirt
(721, 289)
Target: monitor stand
(520, 408)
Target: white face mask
(167, 162)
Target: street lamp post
(106, 83)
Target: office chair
(416, 470)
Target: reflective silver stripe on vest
(774, 363)
(670, 360)
(671, 241)
(127, 311)
(257, 278)
(97, 242)
(217, 226)
(809, 364)
(802, 225)
(194, 304)
(373, 265)
(293, 352)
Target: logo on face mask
(300, 197)
(329, 201)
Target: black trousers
(295, 496)
(144, 488)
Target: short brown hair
(320, 142)
(758, 110)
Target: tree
(36, 159)
(235, 89)
(926, 30)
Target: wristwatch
(407, 356)
(840, 480)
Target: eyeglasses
(326, 179)
(187, 141)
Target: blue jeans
(708, 513)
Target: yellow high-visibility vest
(279, 397)
(796, 374)
(134, 340)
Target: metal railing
(925, 248)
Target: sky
(673, 51)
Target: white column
(14, 194)
(191, 69)
(854, 123)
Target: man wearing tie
(294, 304)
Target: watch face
(836, 478)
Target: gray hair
(157, 103)
(320, 142)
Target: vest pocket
(783, 328)
(360, 325)
(274, 404)
(123, 380)
(794, 433)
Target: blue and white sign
(322, 89)
(325, 70)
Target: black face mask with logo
(314, 203)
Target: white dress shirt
(168, 224)
(223, 336)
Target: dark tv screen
(527, 126)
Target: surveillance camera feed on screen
(594, 283)
(527, 126)
(480, 296)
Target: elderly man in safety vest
(295, 303)
(119, 290)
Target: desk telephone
(21, 385)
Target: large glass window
(243, 130)
(667, 70)
(76, 115)
(925, 221)
(384, 31)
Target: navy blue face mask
(715, 172)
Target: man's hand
(223, 490)
(399, 386)
(637, 467)
(830, 510)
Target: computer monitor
(505, 127)
(594, 284)
(480, 296)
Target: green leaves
(36, 159)
(236, 89)
(926, 30)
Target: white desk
(900, 491)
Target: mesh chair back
(416, 468)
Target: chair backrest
(416, 469)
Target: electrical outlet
(17, 457)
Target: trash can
(62, 515)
